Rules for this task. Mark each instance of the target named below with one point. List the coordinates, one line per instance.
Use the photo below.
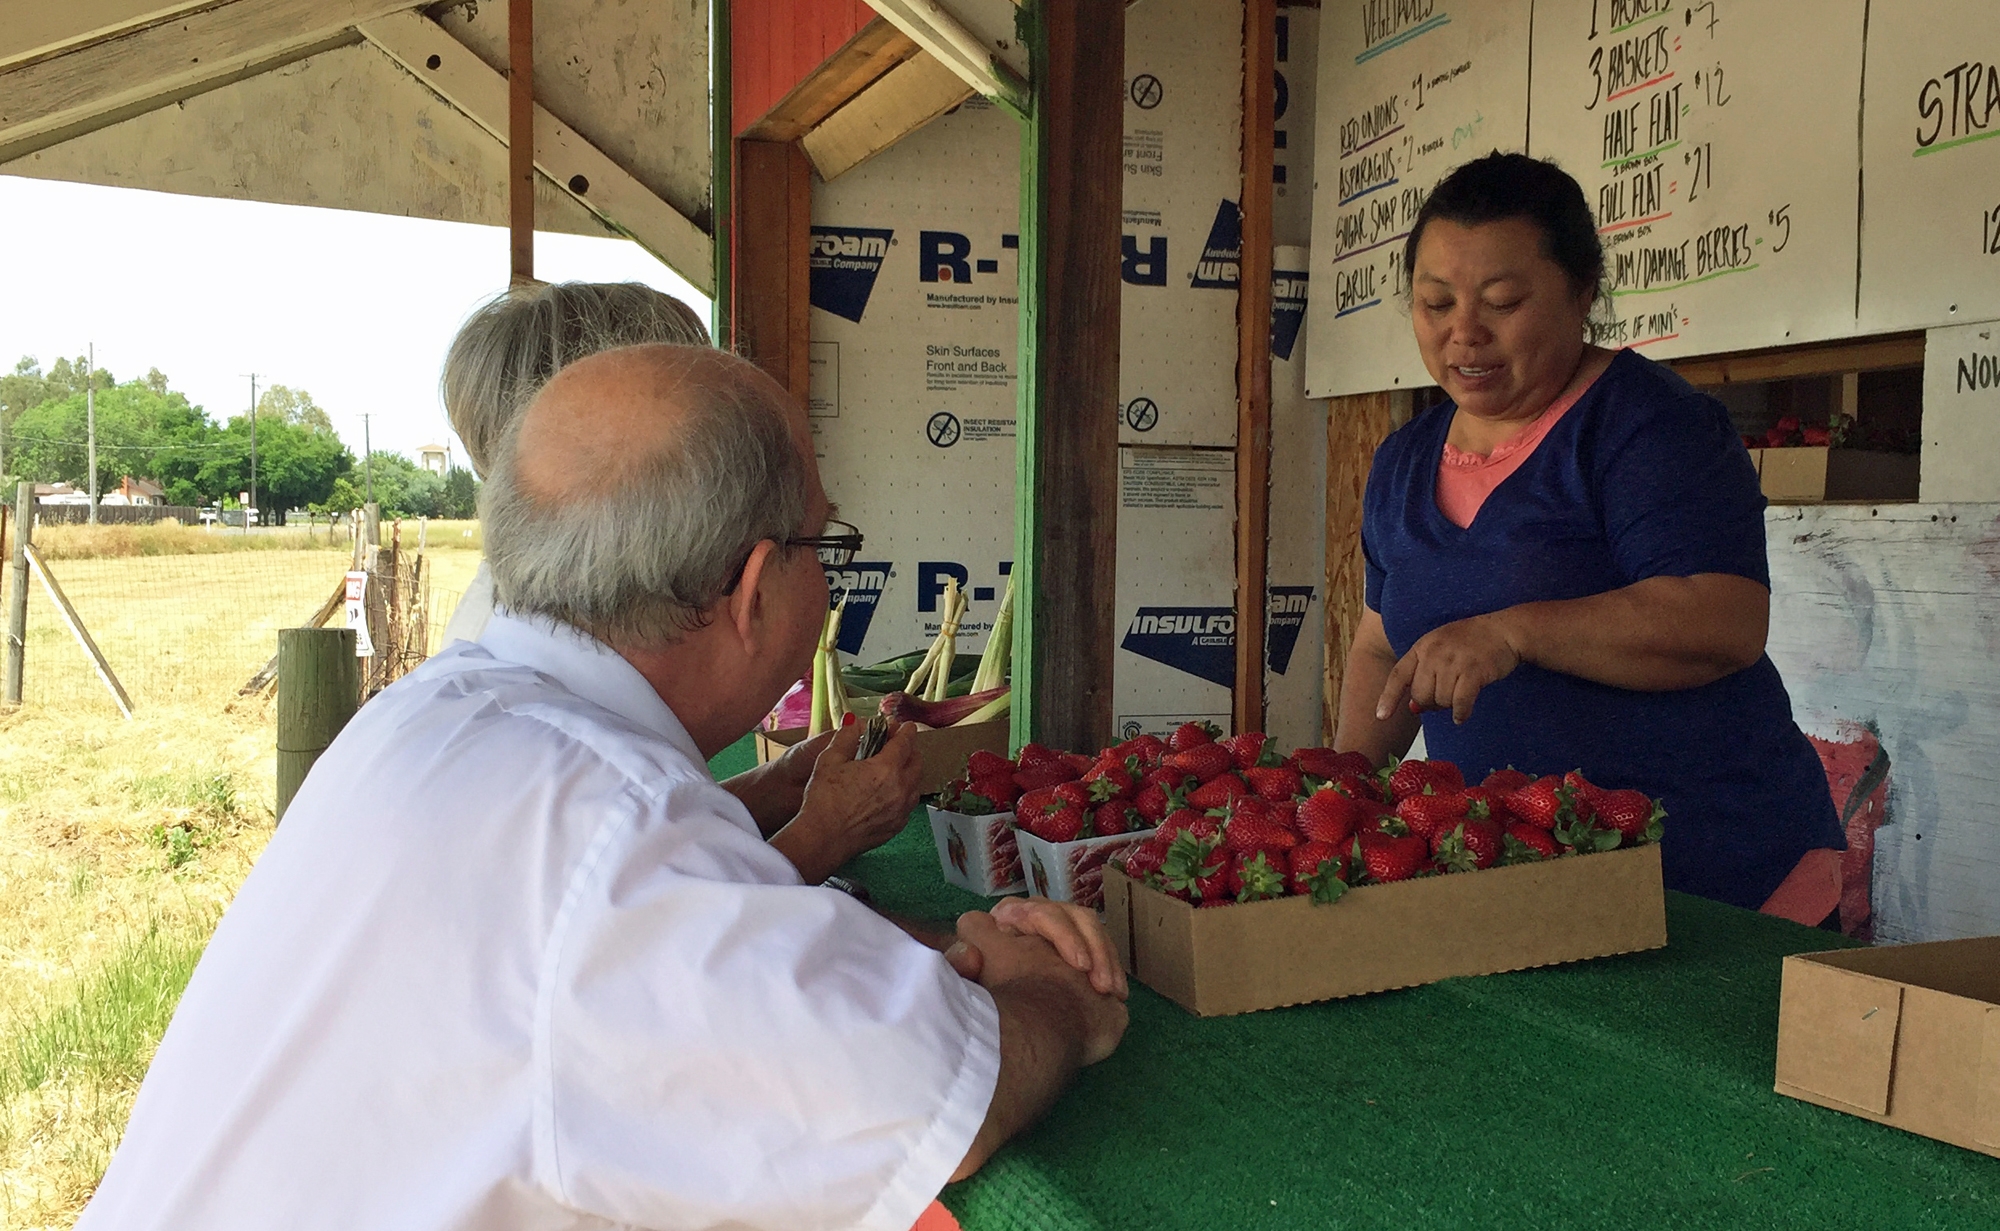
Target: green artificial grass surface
(734, 759)
(1627, 1092)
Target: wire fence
(192, 630)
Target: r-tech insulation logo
(845, 261)
(1222, 255)
(1202, 640)
(1288, 310)
(946, 256)
(862, 582)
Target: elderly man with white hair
(515, 960)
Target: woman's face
(1498, 325)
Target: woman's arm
(1369, 662)
(1656, 635)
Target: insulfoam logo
(1288, 310)
(845, 261)
(946, 256)
(1222, 255)
(1202, 640)
(863, 582)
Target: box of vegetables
(959, 709)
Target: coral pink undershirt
(1465, 480)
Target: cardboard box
(977, 852)
(1260, 955)
(1808, 474)
(1071, 871)
(944, 749)
(1905, 1035)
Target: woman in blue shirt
(1565, 561)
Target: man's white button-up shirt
(514, 960)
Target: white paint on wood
(346, 129)
(429, 52)
(1889, 617)
(902, 100)
(967, 37)
(45, 100)
(1961, 454)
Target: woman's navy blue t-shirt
(1642, 477)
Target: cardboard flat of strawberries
(1626, 1094)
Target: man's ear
(742, 606)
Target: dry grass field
(121, 841)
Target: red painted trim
(775, 44)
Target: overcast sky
(355, 308)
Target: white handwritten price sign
(1930, 229)
(1408, 89)
(1715, 143)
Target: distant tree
(155, 380)
(461, 493)
(393, 476)
(344, 497)
(297, 466)
(294, 406)
(141, 432)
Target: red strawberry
(1148, 748)
(1275, 783)
(1286, 813)
(1471, 845)
(1074, 793)
(1189, 734)
(1247, 833)
(1034, 803)
(1429, 816)
(1205, 761)
(1257, 877)
(1541, 803)
(1330, 817)
(1326, 764)
(1506, 781)
(1115, 816)
(1246, 747)
(1187, 820)
(1188, 861)
(1033, 777)
(1217, 792)
(1037, 754)
(1001, 790)
(1152, 802)
(1579, 831)
(1388, 858)
(1356, 786)
(1317, 871)
(984, 763)
(1583, 794)
(1632, 814)
(1109, 779)
(1143, 861)
(1064, 823)
(1524, 843)
(1078, 762)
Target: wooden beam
(1902, 350)
(75, 624)
(858, 64)
(46, 101)
(1253, 364)
(1355, 427)
(773, 254)
(521, 140)
(1066, 491)
(440, 61)
(907, 97)
(32, 29)
(982, 63)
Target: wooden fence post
(319, 688)
(17, 596)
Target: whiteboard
(1930, 231)
(1407, 91)
(1716, 145)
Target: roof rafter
(31, 29)
(430, 53)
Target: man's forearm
(1041, 1047)
(769, 794)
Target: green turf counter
(1627, 1092)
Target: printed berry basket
(1072, 871)
(978, 852)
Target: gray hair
(641, 561)
(511, 344)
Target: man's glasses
(836, 547)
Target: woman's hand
(851, 806)
(1448, 666)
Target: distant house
(60, 493)
(434, 458)
(140, 491)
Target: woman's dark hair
(1502, 186)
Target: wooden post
(772, 301)
(1066, 490)
(17, 590)
(1355, 426)
(1253, 364)
(319, 688)
(521, 138)
(371, 531)
(77, 630)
